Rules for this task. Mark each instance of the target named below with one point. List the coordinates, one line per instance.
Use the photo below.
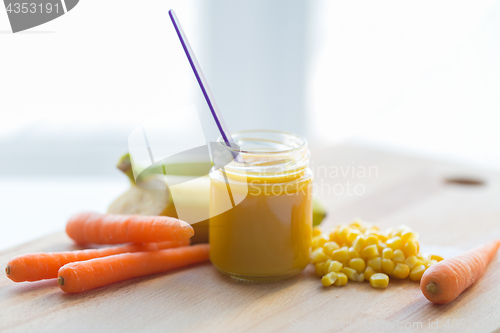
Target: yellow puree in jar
(268, 235)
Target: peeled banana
(151, 199)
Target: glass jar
(266, 235)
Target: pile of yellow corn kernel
(360, 252)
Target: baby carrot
(39, 266)
(80, 276)
(117, 229)
(444, 281)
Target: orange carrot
(444, 281)
(118, 229)
(80, 276)
(40, 266)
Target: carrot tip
(60, 280)
(7, 270)
(432, 287)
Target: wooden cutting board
(440, 200)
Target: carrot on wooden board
(84, 275)
(444, 281)
(98, 228)
(40, 266)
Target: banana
(319, 212)
(149, 199)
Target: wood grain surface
(429, 196)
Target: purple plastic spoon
(202, 82)
(224, 131)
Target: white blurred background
(420, 77)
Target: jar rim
(302, 142)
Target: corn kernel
(334, 266)
(379, 280)
(410, 249)
(352, 253)
(400, 229)
(350, 273)
(329, 247)
(326, 265)
(417, 272)
(381, 246)
(358, 264)
(334, 236)
(329, 279)
(389, 232)
(375, 263)
(361, 278)
(409, 236)
(318, 256)
(340, 254)
(319, 268)
(371, 240)
(316, 232)
(387, 253)
(387, 266)
(353, 233)
(355, 224)
(399, 256)
(411, 261)
(430, 263)
(435, 257)
(359, 243)
(318, 241)
(382, 237)
(341, 279)
(368, 273)
(343, 233)
(370, 251)
(401, 271)
(394, 243)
